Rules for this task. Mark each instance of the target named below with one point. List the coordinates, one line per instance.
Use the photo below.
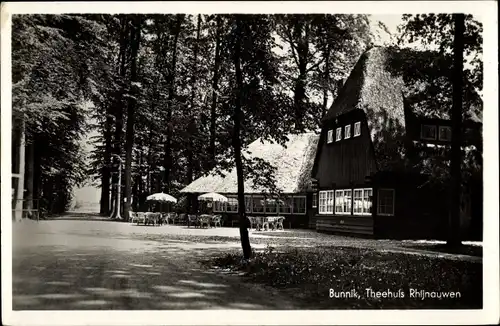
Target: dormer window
(444, 133)
(428, 132)
(347, 132)
(330, 137)
(338, 134)
(357, 129)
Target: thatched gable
(376, 86)
(293, 165)
(374, 89)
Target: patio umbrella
(212, 196)
(161, 197)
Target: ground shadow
(65, 279)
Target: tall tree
(215, 87)
(321, 52)
(254, 104)
(135, 39)
(192, 110)
(456, 119)
(237, 120)
(449, 82)
(53, 82)
(167, 163)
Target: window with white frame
(232, 205)
(357, 199)
(330, 136)
(330, 201)
(314, 200)
(248, 204)
(428, 132)
(386, 202)
(258, 204)
(299, 205)
(444, 133)
(286, 205)
(326, 202)
(347, 131)
(338, 134)
(367, 201)
(219, 206)
(362, 201)
(343, 201)
(271, 205)
(357, 129)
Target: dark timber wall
(347, 161)
(345, 224)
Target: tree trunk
(167, 164)
(300, 83)
(326, 81)
(299, 94)
(192, 123)
(106, 175)
(135, 35)
(29, 176)
(456, 117)
(237, 120)
(19, 142)
(215, 87)
(118, 111)
(149, 162)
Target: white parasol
(212, 196)
(161, 197)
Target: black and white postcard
(249, 163)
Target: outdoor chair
(140, 218)
(279, 222)
(204, 220)
(192, 220)
(171, 217)
(182, 219)
(217, 219)
(163, 219)
(133, 217)
(264, 223)
(251, 221)
(153, 218)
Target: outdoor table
(155, 217)
(205, 219)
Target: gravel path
(70, 265)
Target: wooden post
(18, 199)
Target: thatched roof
(374, 89)
(293, 165)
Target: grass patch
(306, 275)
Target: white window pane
(338, 134)
(347, 201)
(248, 204)
(357, 129)
(285, 206)
(358, 200)
(232, 205)
(330, 136)
(347, 132)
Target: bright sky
(391, 21)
